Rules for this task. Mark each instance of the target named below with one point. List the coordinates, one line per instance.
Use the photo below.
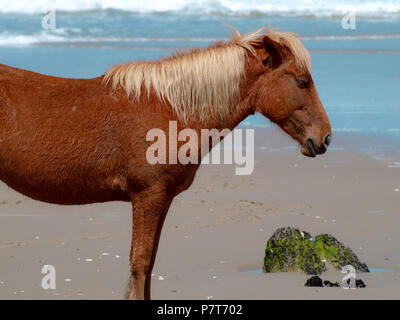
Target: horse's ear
(274, 50)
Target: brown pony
(80, 141)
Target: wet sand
(216, 231)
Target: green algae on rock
(336, 253)
(290, 249)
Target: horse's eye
(302, 82)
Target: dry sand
(215, 231)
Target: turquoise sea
(356, 71)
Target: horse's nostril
(327, 139)
(314, 149)
(311, 146)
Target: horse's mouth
(305, 150)
(310, 149)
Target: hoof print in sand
(290, 249)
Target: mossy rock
(290, 249)
(287, 250)
(330, 249)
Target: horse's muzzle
(311, 149)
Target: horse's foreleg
(149, 211)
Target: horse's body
(77, 141)
(86, 141)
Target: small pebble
(317, 217)
(117, 256)
(161, 278)
(105, 254)
(89, 260)
(396, 190)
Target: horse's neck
(242, 112)
(245, 107)
(230, 123)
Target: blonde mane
(201, 83)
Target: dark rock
(327, 283)
(314, 281)
(360, 283)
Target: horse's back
(14, 81)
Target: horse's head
(285, 92)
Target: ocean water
(356, 71)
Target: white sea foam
(347, 129)
(230, 7)
(10, 39)
(355, 37)
(63, 35)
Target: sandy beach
(215, 234)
